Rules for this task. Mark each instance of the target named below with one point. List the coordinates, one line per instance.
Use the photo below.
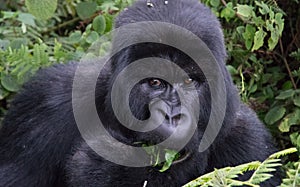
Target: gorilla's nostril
(176, 118)
(167, 117)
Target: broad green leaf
(214, 3)
(99, 24)
(286, 94)
(284, 125)
(109, 22)
(264, 9)
(273, 40)
(228, 12)
(232, 70)
(86, 9)
(253, 88)
(275, 114)
(289, 120)
(248, 35)
(259, 39)
(28, 19)
(280, 22)
(287, 85)
(92, 37)
(258, 20)
(41, 9)
(240, 29)
(244, 10)
(74, 37)
(297, 101)
(270, 26)
(8, 15)
(295, 138)
(10, 83)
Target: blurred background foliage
(262, 40)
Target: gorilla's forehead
(160, 67)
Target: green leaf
(253, 88)
(280, 22)
(295, 139)
(273, 40)
(41, 9)
(264, 9)
(8, 15)
(92, 37)
(232, 70)
(297, 101)
(284, 125)
(99, 24)
(286, 94)
(170, 156)
(228, 12)
(86, 9)
(214, 3)
(28, 19)
(290, 120)
(10, 83)
(287, 85)
(109, 22)
(248, 35)
(259, 39)
(275, 114)
(240, 29)
(108, 5)
(74, 37)
(245, 10)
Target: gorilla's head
(162, 93)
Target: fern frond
(224, 176)
(292, 176)
(262, 172)
(283, 153)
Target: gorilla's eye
(188, 81)
(155, 82)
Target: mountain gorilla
(41, 144)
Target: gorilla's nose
(172, 120)
(169, 113)
(173, 117)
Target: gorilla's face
(178, 104)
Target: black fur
(40, 145)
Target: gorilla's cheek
(205, 106)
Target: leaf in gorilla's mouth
(170, 156)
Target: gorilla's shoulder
(54, 75)
(49, 86)
(251, 130)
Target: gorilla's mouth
(183, 155)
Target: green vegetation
(262, 39)
(226, 176)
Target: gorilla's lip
(184, 155)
